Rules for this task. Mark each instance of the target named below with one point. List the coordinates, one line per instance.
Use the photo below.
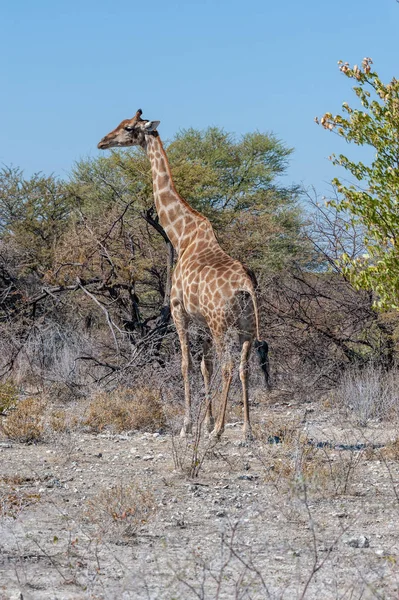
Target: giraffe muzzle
(102, 144)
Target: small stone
(149, 559)
(148, 457)
(221, 513)
(360, 541)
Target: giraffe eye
(128, 128)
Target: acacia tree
(116, 242)
(373, 202)
(85, 267)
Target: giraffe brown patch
(189, 228)
(225, 288)
(201, 245)
(193, 298)
(162, 181)
(178, 226)
(162, 214)
(217, 296)
(172, 214)
(191, 276)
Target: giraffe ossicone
(208, 285)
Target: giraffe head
(131, 132)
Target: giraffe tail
(262, 349)
(261, 346)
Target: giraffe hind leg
(246, 345)
(207, 369)
(227, 375)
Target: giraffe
(208, 286)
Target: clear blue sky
(70, 71)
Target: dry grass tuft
(26, 422)
(279, 430)
(14, 501)
(326, 472)
(58, 421)
(126, 409)
(125, 506)
(293, 459)
(391, 450)
(369, 393)
(8, 396)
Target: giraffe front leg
(181, 322)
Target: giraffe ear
(151, 125)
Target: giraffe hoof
(248, 436)
(186, 430)
(216, 433)
(210, 424)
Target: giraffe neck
(180, 221)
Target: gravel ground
(305, 512)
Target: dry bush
(26, 422)
(326, 472)
(390, 451)
(124, 506)
(14, 501)
(126, 409)
(278, 430)
(324, 476)
(58, 421)
(293, 460)
(370, 393)
(8, 396)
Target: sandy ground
(308, 510)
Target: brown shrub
(391, 450)
(324, 471)
(26, 422)
(8, 396)
(12, 502)
(58, 421)
(125, 506)
(126, 409)
(277, 429)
